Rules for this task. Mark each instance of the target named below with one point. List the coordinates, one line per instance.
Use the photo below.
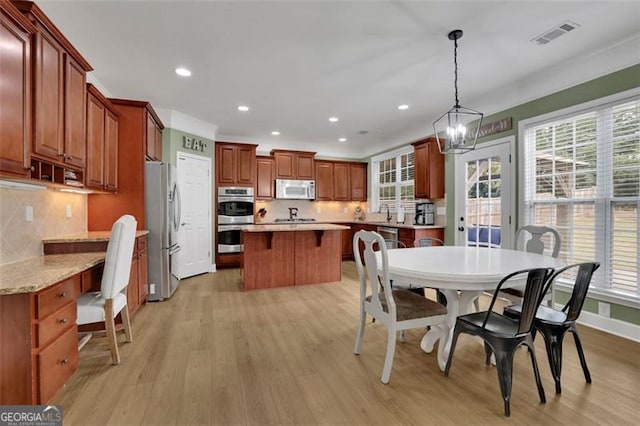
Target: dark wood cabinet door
(111, 152)
(132, 287)
(49, 97)
(304, 166)
(15, 96)
(429, 169)
(75, 96)
(341, 182)
(265, 178)
(158, 143)
(347, 244)
(358, 174)
(94, 174)
(143, 285)
(151, 138)
(324, 181)
(226, 156)
(246, 167)
(285, 165)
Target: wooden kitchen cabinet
(341, 181)
(294, 164)
(347, 244)
(265, 175)
(15, 91)
(143, 274)
(39, 341)
(429, 169)
(154, 137)
(358, 181)
(102, 142)
(235, 164)
(104, 209)
(59, 76)
(409, 236)
(324, 181)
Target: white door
(485, 195)
(194, 227)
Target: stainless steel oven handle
(231, 199)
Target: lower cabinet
(138, 287)
(409, 236)
(40, 347)
(347, 244)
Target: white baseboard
(609, 325)
(212, 268)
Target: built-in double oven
(235, 210)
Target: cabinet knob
(63, 321)
(62, 295)
(64, 361)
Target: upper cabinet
(294, 164)
(265, 177)
(324, 181)
(59, 87)
(15, 91)
(235, 164)
(341, 181)
(102, 142)
(153, 137)
(429, 169)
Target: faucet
(388, 211)
(293, 212)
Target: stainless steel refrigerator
(162, 213)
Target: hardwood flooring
(214, 354)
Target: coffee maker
(425, 214)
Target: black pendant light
(452, 129)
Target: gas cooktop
(301, 219)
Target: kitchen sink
(301, 219)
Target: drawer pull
(63, 321)
(64, 361)
(62, 295)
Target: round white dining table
(461, 274)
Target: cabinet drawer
(56, 324)
(57, 363)
(52, 299)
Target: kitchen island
(291, 254)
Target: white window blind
(393, 181)
(582, 177)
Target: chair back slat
(533, 293)
(428, 242)
(117, 263)
(538, 234)
(371, 276)
(580, 287)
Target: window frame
(601, 200)
(375, 175)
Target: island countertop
(294, 227)
(37, 273)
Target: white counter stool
(105, 304)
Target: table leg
(458, 303)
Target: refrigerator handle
(178, 203)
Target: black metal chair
(554, 324)
(502, 335)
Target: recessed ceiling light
(243, 108)
(183, 72)
(275, 133)
(333, 119)
(342, 140)
(403, 106)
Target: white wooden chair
(105, 304)
(397, 309)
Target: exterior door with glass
(485, 195)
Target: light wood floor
(216, 355)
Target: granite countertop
(36, 273)
(367, 222)
(90, 236)
(313, 226)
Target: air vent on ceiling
(555, 32)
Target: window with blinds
(394, 183)
(582, 176)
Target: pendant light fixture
(452, 129)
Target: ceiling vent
(555, 32)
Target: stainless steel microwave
(295, 189)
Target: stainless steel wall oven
(235, 209)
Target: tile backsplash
(319, 210)
(21, 239)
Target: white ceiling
(296, 63)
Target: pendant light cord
(455, 62)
